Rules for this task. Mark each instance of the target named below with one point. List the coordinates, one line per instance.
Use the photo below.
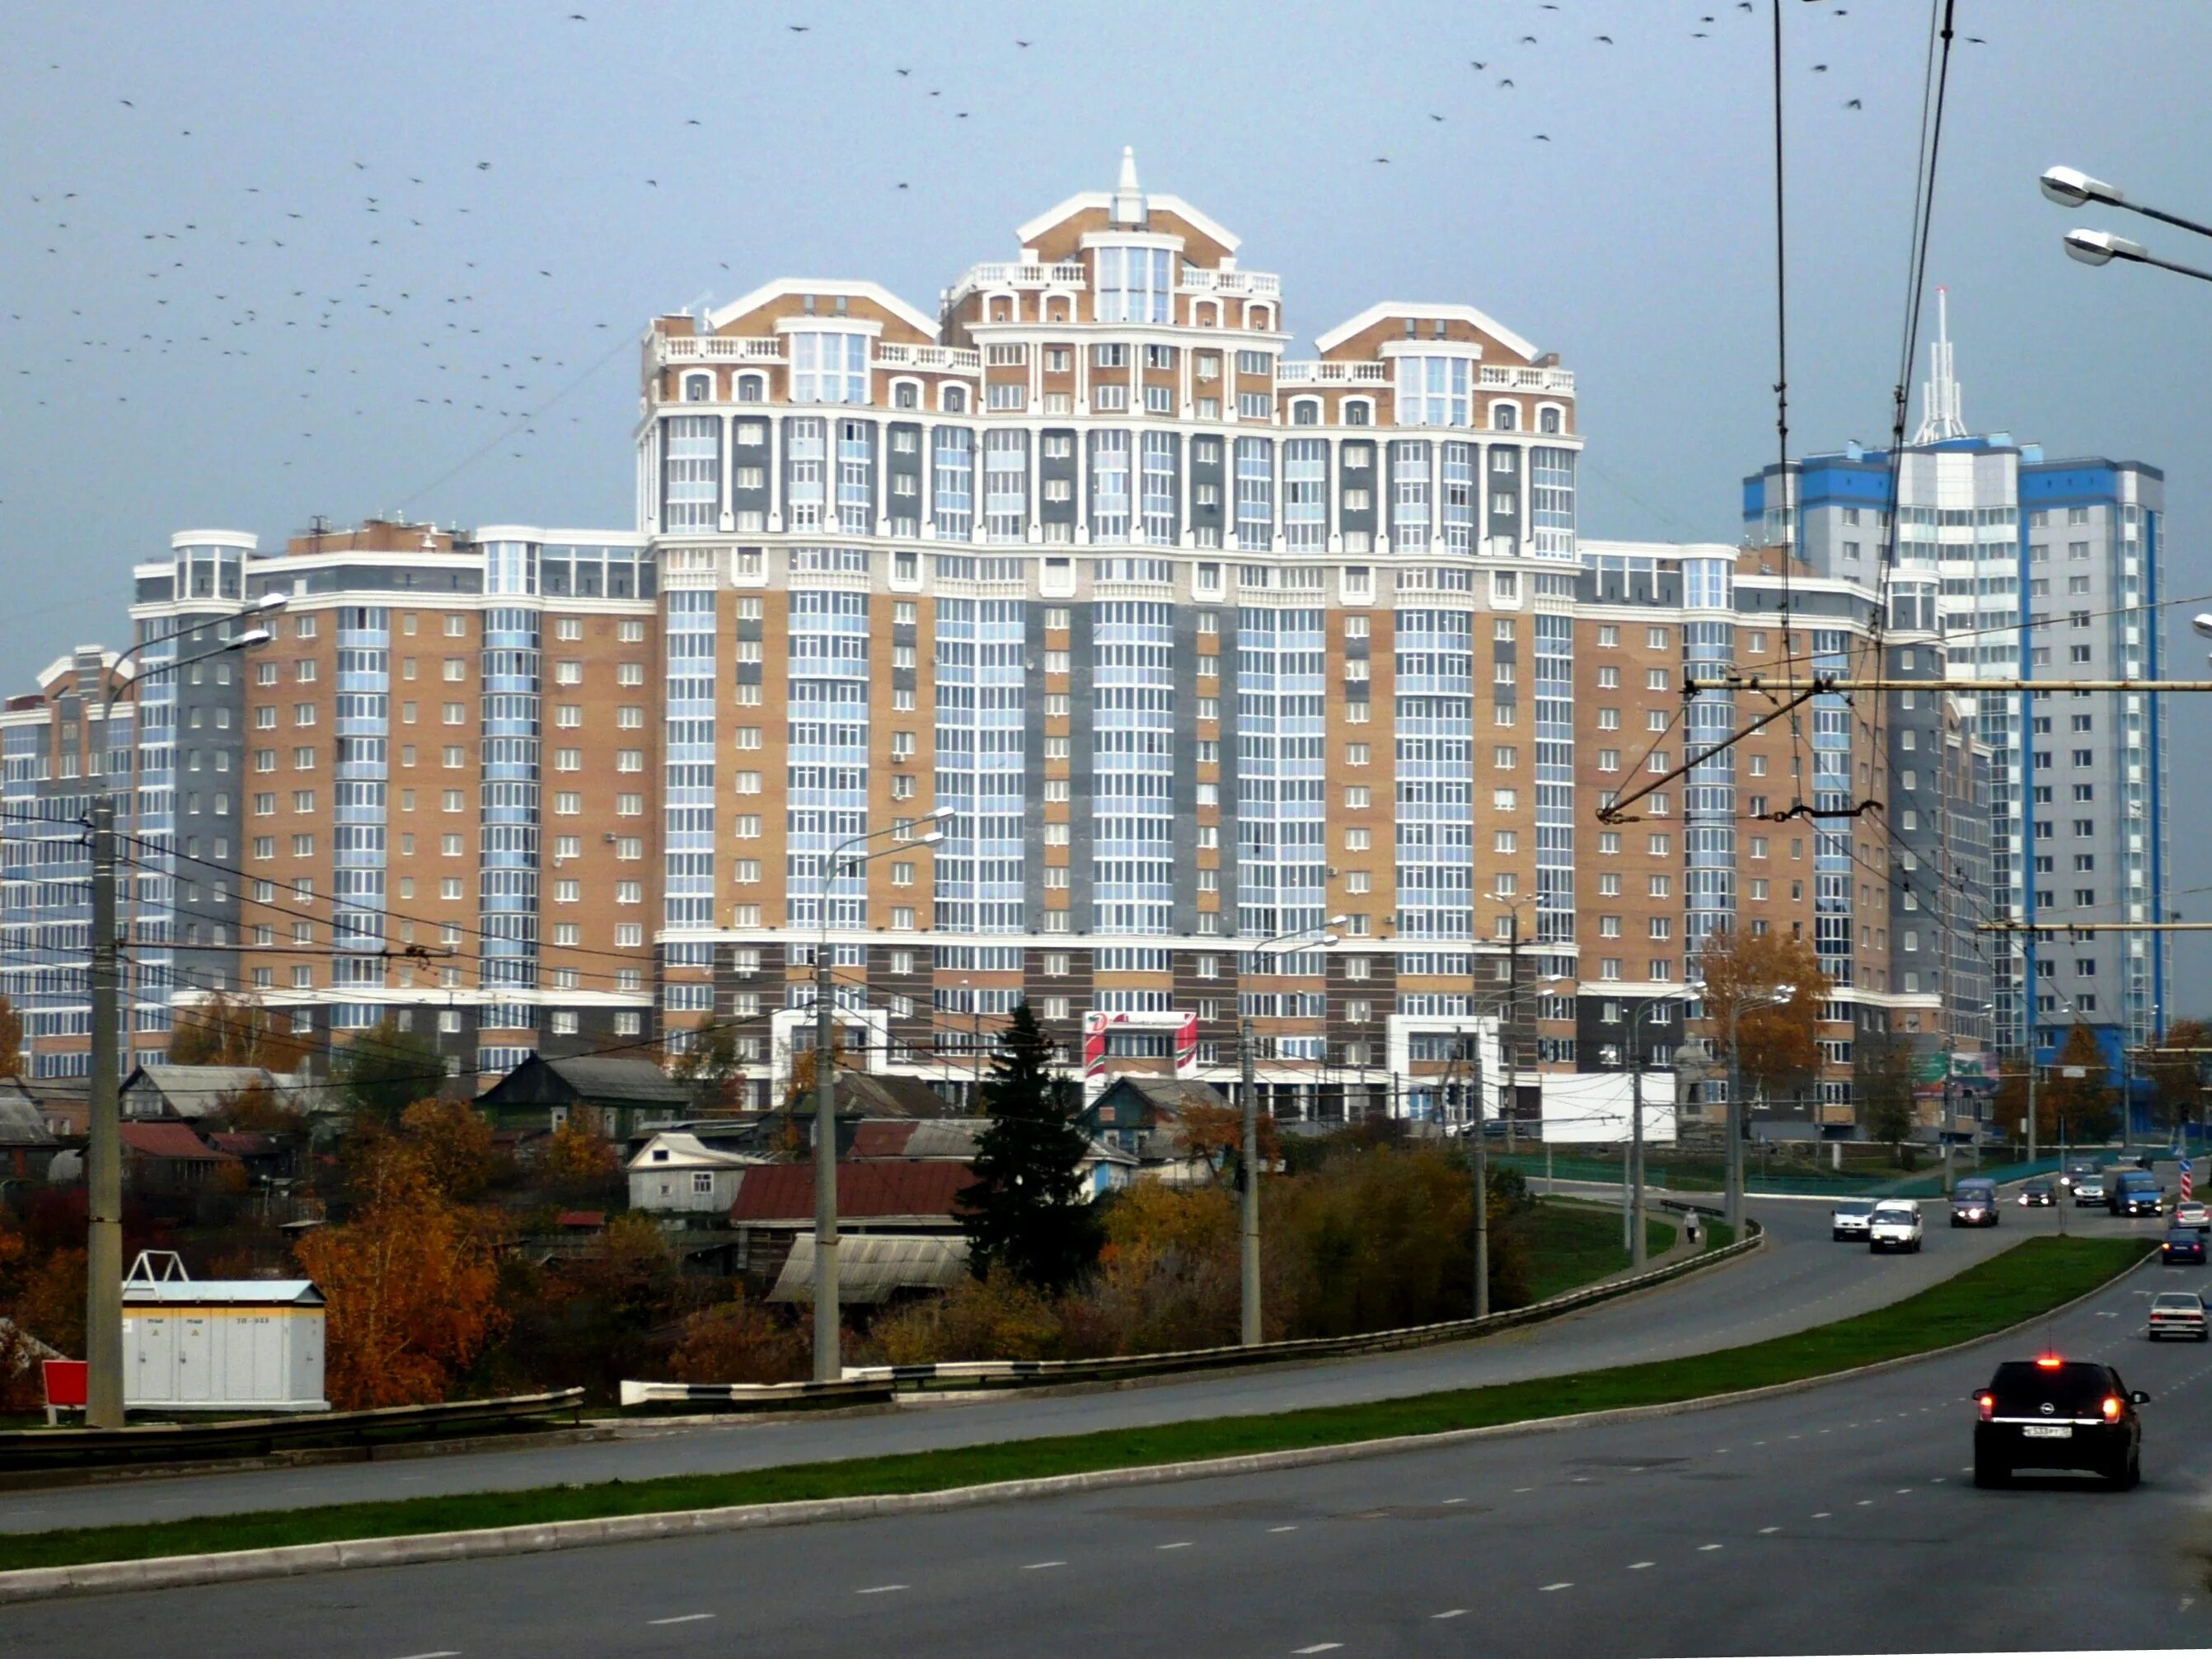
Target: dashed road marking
(1519, 1489)
(1763, 1531)
(681, 1619)
(1183, 1544)
(1455, 1500)
(882, 1589)
(1865, 1503)
(1704, 1549)
(1460, 1613)
(1282, 1529)
(1638, 1566)
(1564, 1584)
(1319, 1647)
(1823, 1514)
(1039, 1566)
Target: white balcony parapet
(1197, 279)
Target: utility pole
(829, 1362)
(1510, 1100)
(103, 1335)
(1481, 1166)
(1735, 1203)
(1636, 1147)
(1248, 1182)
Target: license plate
(2048, 1431)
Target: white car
(1895, 1226)
(1849, 1220)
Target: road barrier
(967, 1376)
(759, 1397)
(154, 1443)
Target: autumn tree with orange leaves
(410, 1285)
(1777, 1044)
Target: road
(1840, 1519)
(1800, 1279)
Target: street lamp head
(1332, 938)
(2202, 621)
(938, 814)
(2100, 248)
(2071, 187)
(929, 839)
(248, 639)
(1335, 921)
(275, 599)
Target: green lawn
(2028, 1279)
(1570, 1244)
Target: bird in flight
(1543, 137)
(1476, 63)
(905, 71)
(1605, 39)
(1383, 160)
(1021, 43)
(483, 166)
(126, 103)
(1433, 116)
(1854, 104)
(1819, 68)
(1507, 82)
(693, 122)
(1528, 39)
(797, 28)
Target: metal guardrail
(184, 1443)
(970, 1375)
(759, 1396)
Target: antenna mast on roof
(1939, 397)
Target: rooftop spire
(1939, 397)
(1128, 198)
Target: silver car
(1849, 1220)
(2177, 1313)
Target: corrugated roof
(250, 1292)
(887, 1096)
(917, 1137)
(1174, 1095)
(687, 1151)
(870, 1266)
(201, 1090)
(23, 1123)
(246, 1143)
(774, 1193)
(623, 1078)
(157, 1140)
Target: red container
(67, 1382)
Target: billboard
(1593, 1108)
(1096, 1025)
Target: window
(1433, 390)
(829, 368)
(1134, 286)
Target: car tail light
(2111, 1408)
(2049, 1362)
(1987, 1404)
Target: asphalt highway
(1800, 1279)
(1838, 1519)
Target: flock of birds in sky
(412, 310)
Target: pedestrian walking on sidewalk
(1690, 1227)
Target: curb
(179, 1571)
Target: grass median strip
(2030, 1278)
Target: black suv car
(2052, 1414)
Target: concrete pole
(1248, 1182)
(829, 1362)
(1735, 1196)
(1482, 1189)
(2031, 1095)
(1636, 1151)
(103, 1330)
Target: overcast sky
(263, 261)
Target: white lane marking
(1524, 1489)
(1460, 1613)
(1865, 1503)
(1823, 1514)
(1039, 1566)
(442, 1653)
(681, 1619)
(1937, 1480)
(1706, 1549)
(1763, 1531)
(1282, 1529)
(881, 1590)
(1638, 1566)
(1903, 1491)
(1564, 1584)
(1184, 1545)
(1455, 1500)
(1319, 1647)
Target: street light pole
(1249, 1319)
(103, 1157)
(829, 1359)
(1248, 1190)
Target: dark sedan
(2183, 1244)
(2053, 1413)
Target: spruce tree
(1026, 1212)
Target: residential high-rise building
(2033, 568)
(1212, 701)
